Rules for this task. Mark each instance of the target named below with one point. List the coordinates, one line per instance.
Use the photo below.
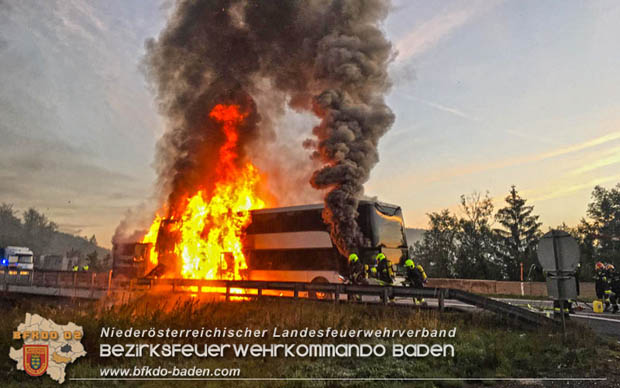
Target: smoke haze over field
(325, 57)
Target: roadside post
(558, 253)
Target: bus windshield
(389, 228)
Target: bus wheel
(318, 294)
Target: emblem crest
(36, 359)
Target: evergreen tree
(518, 236)
(437, 250)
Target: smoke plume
(325, 57)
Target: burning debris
(326, 57)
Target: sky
(487, 94)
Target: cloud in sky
(441, 107)
(564, 190)
(77, 124)
(600, 159)
(427, 34)
(520, 160)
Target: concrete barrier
(494, 287)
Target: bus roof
(316, 206)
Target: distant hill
(414, 235)
(35, 231)
(62, 243)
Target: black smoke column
(328, 57)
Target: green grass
(485, 345)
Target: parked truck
(16, 259)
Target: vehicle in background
(131, 260)
(58, 262)
(17, 259)
(294, 244)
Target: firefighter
(385, 273)
(75, 268)
(357, 272)
(614, 285)
(603, 291)
(572, 303)
(85, 268)
(415, 277)
(384, 269)
(557, 310)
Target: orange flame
(211, 226)
(151, 238)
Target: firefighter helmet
(353, 258)
(380, 257)
(599, 265)
(409, 263)
(610, 267)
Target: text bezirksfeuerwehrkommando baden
(276, 332)
(273, 350)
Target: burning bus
(224, 101)
(294, 244)
(278, 244)
(224, 226)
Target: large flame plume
(328, 58)
(209, 230)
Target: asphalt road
(602, 323)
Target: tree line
(35, 231)
(479, 243)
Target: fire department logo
(48, 347)
(35, 359)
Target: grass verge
(485, 345)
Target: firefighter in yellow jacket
(415, 277)
(385, 273)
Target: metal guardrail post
(384, 297)
(296, 293)
(259, 292)
(75, 284)
(93, 276)
(227, 292)
(441, 300)
(337, 295)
